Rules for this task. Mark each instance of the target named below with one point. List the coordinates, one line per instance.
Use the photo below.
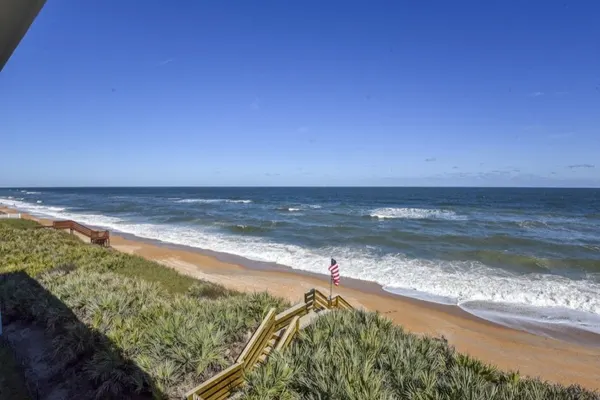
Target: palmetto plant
(128, 325)
(362, 355)
(125, 324)
(181, 340)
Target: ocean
(529, 255)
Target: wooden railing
(283, 319)
(340, 302)
(289, 333)
(97, 237)
(274, 333)
(9, 216)
(257, 342)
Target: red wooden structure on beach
(96, 237)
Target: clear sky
(304, 93)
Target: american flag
(334, 268)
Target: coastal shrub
(177, 340)
(29, 247)
(209, 290)
(362, 355)
(119, 325)
(20, 223)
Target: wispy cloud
(255, 105)
(533, 128)
(536, 94)
(578, 166)
(501, 177)
(432, 159)
(165, 62)
(562, 135)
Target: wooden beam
(16, 17)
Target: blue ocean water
(531, 253)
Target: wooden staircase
(101, 238)
(275, 337)
(274, 334)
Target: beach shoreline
(573, 360)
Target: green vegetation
(360, 355)
(26, 246)
(121, 325)
(19, 223)
(12, 382)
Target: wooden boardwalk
(274, 333)
(101, 238)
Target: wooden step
(264, 354)
(308, 319)
(261, 360)
(267, 349)
(277, 334)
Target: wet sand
(576, 361)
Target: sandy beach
(572, 361)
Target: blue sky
(304, 93)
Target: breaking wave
(209, 201)
(459, 282)
(414, 213)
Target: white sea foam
(414, 213)
(213, 201)
(33, 192)
(456, 282)
(301, 207)
(530, 224)
(593, 248)
(546, 321)
(31, 208)
(60, 213)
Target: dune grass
(361, 355)
(26, 246)
(19, 223)
(121, 323)
(125, 325)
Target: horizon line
(299, 187)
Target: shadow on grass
(59, 356)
